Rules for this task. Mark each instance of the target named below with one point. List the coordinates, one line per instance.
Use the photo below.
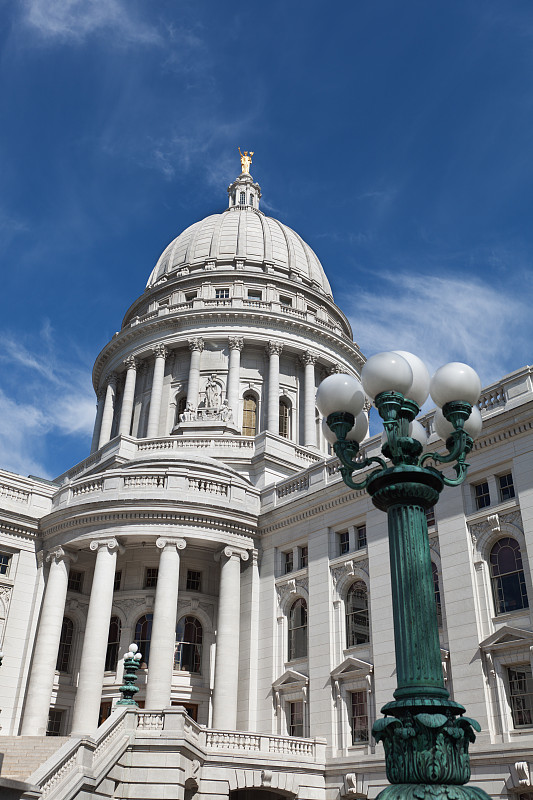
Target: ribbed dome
(242, 233)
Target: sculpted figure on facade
(212, 393)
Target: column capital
(58, 554)
(111, 544)
(230, 551)
(168, 541)
(308, 357)
(336, 369)
(197, 343)
(100, 394)
(111, 379)
(236, 343)
(160, 351)
(274, 348)
(131, 362)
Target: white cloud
(45, 392)
(74, 20)
(444, 318)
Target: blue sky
(395, 137)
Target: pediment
(289, 679)
(352, 667)
(506, 637)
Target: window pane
(344, 542)
(521, 695)
(249, 417)
(508, 583)
(288, 562)
(5, 559)
(189, 636)
(113, 645)
(506, 487)
(361, 536)
(296, 718)
(143, 635)
(482, 495)
(298, 630)
(55, 719)
(65, 645)
(284, 418)
(359, 717)
(150, 577)
(357, 622)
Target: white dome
(246, 234)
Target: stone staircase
(23, 754)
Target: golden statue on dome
(246, 160)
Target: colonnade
(107, 398)
(160, 671)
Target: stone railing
(12, 493)
(296, 485)
(87, 487)
(84, 760)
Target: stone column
(308, 360)
(227, 643)
(236, 343)
(91, 677)
(160, 352)
(196, 346)
(127, 400)
(98, 421)
(164, 624)
(274, 350)
(109, 407)
(43, 669)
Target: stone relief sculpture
(212, 394)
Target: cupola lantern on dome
(243, 191)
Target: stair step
(24, 754)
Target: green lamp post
(424, 733)
(132, 662)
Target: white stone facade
(210, 524)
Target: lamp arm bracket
(346, 473)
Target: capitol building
(209, 525)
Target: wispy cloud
(75, 20)
(448, 317)
(45, 391)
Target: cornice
(189, 323)
(306, 513)
(154, 518)
(510, 432)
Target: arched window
(143, 635)
(188, 657)
(436, 587)
(508, 584)
(357, 624)
(298, 629)
(181, 406)
(284, 418)
(65, 645)
(242, 198)
(249, 415)
(113, 645)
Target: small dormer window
(285, 301)
(242, 200)
(251, 201)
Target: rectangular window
(296, 718)
(285, 301)
(303, 556)
(221, 294)
(150, 577)
(359, 717)
(254, 295)
(5, 562)
(361, 536)
(430, 516)
(54, 725)
(105, 711)
(288, 562)
(344, 542)
(482, 495)
(117, 581)
(194, 581)
(521, 695)
(75, 581)
(189, 296)
(506, 487)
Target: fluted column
(227, 650)
(109, 407)
(160, 353)
(129, 393)
(164, 624)
(274, 350)
(308, 360)
(98, 421)
(89, 693)
(236, 343)
(196, 346)
(44, 662)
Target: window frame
(66, 647)
(193, 576)
(183, 646)
(350, 627)
(509, 487)
(295, 650)
(502, 579)
(253, 412)
(151, 575)
(8, 563)
(514, 708)
(481, 499)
